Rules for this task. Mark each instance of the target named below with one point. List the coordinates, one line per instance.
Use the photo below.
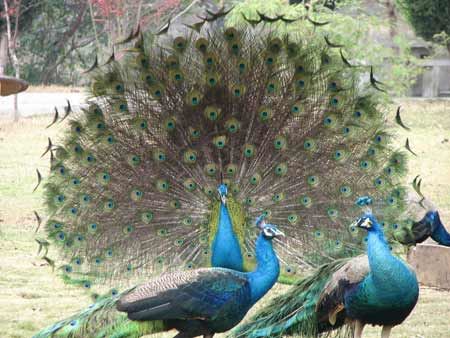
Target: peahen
(195, 302)
(283, 122)
(343, 296)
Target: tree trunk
(3, 52)
(393, 22)
(12, 44)
(16, 97)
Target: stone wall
(432, 264)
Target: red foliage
(109, 7)
(13, 8)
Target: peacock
(182, 142)
(195, 302)
(343, 296)
(427, 223)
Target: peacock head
(269, 231)
(368, 222)
(223, 192)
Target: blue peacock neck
(438, 231)
(389, 276)
(267, 269)
(226, 251)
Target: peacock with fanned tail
(182, 144)
(343, 296)
(194, 302)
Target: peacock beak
(223, 191)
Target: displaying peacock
(195, 302)
(181, 144)
(343, 296)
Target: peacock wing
(331, 299)
(198, 294)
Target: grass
(31, 296)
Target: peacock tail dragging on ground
(282, 121)
(99, 320)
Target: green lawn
(31, 296)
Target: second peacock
(195, 302)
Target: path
(39, 103)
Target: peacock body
(438, 232)
(195, 302)
(344, 295)
(283, 122)
(225, 248)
